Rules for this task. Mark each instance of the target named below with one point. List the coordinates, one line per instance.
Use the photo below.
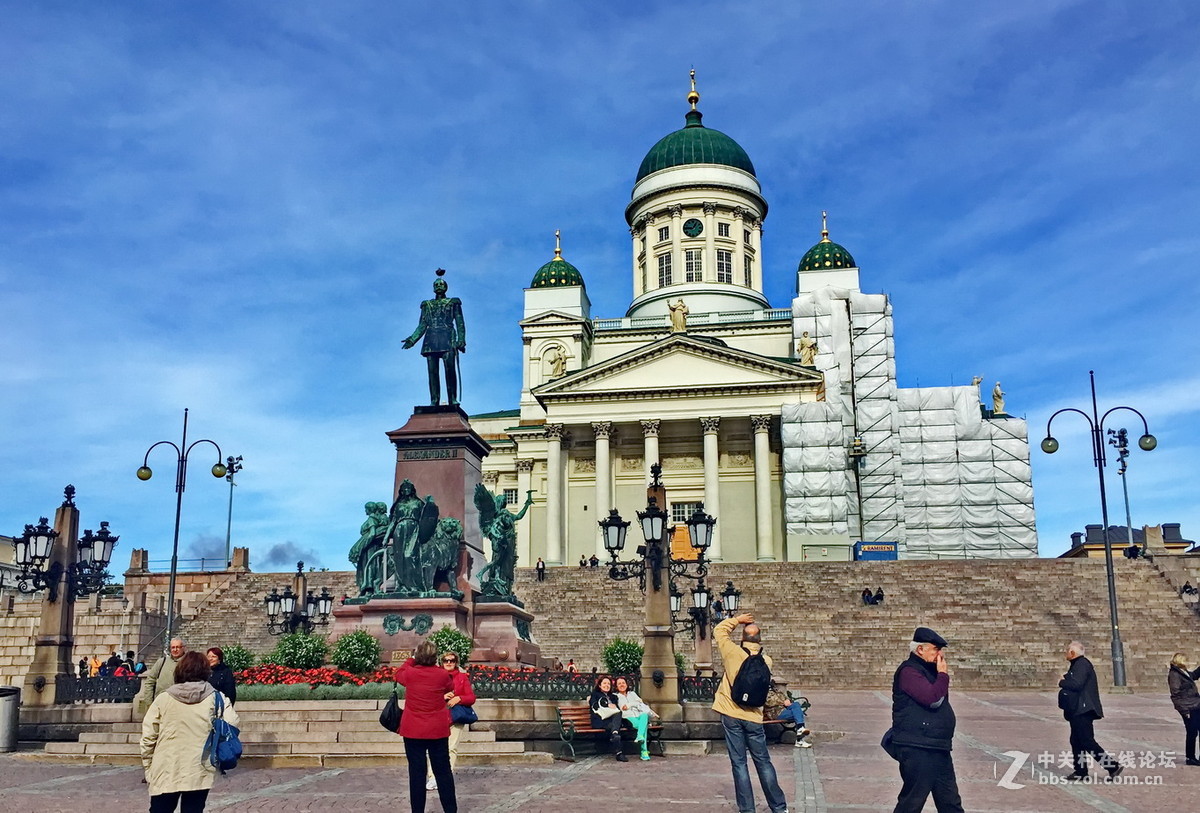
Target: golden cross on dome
(557, 245)
(693, 96)
(824, 227)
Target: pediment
(551, 318)
(679, 364)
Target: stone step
(522, 759)
(388, 744)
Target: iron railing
(697, 689)
(108, 689)
(502, 684)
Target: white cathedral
(785, 423)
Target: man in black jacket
(1079, 699)
(922, 730)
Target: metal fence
(698, 689)
(109, 689)
(503, 684)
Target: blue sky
(235, 207)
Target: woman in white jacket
(173, 736)
(636, 712)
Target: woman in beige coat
(173, 736)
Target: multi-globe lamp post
(654, 564)
(1146, 442)
(298, 610)
(144, 473)
(34, 553)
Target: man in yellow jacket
(743, 726)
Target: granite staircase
(297, 734)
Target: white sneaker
(801, 733)
(803, 744)
(431, 784)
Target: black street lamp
(1146, 442)
(87, 574)
(232, 466)
(286, 613)
(1119, 439)
(144, 473)
(732, 597)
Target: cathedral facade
(785, 423)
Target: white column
(554, 495)
(756, 238)
(712, 494)
(676, 243)
(650, 435)
(739, 251)
(524, 537)
(638, 289)
(710, 245)
(603, 430)
(762, 487)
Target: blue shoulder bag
(223, 748)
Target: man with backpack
(739, 700)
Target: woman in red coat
(463, 694)
(425, 726)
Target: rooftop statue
(500, 526)
(998, 400)
(679, 314)
(445, 336)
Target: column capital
(710, 425)
(525, 464)
(555, 431)
(710, 207)
(676, 210)
(603, 429)
(491, 477)
(761, 423)
(740, 212)
(650, 427)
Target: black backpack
(749, 689)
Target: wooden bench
(574, 721)
(785, 725)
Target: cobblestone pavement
(848, 773)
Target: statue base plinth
(504, 636)
(399, 624)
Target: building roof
(558, 272)
(694, 144)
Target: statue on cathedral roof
(679, 315)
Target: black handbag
(389, 718)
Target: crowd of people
(116, 666)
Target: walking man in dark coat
(1079, 699)
(922, 732)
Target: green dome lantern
(826, 255)
(694, 144)
(558, 273)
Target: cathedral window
(724, 265)
(642, 274)
(693, 268)
(746, 236)
(681, 512)
(722, 230)
(510, 496)
(664, 233)
(664, 269)
(748, 270)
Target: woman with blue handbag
(460, 699)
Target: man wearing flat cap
(922, 731)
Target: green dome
(826, 255)
(557, 273)
(694, 144)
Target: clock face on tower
(693, 227)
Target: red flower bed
(275, 675)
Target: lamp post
(1146, 442)
(299, 610)
(232, 466)
(654, 562)
(1119, 439)
(144, 473)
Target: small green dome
(694, 144)
(556, 274)
(825, 255)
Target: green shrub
(358, 652)
(348, 691)
(299, 651)
(237, 657)
(680, 662)
(622, 657)
(449, 639)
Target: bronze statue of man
(445, 337)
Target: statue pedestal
(399, 624)
(439, 452)
(503, 635)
